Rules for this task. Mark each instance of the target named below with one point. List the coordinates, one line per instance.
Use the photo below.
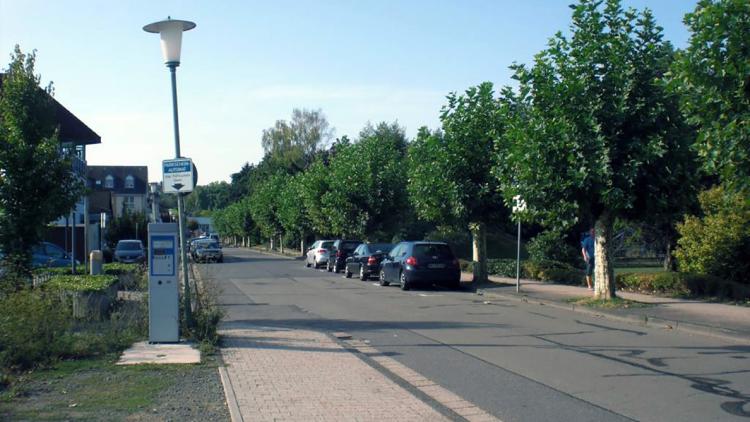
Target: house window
(129, 182)
(109, 182)
(128, 204)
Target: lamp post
(518, 208)
(171, 31)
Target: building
(117, 190)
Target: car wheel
(328, 267)
(404, 281)
(307, 264)
(221, 260)
(347, 273)
(362, 275)
(382, 279)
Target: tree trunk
(479, 252)
(604, 275)
(668, 261)
(281, 243)
(271, 243)
(302, 245)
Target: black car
(365, 260)
(424, 262)
(340, 250)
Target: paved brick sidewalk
(275, 374)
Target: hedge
(544, 270)
(682, 284)
(81, 283)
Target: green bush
(682, 284)
(503, 267)
(718, 243)
(551, 246)
(559, 272)
(33, 329)
(81, 283)
(119, 268)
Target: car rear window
(349, 246)
(382, 247)
(326, 245)
(439, 250)
(128, 246)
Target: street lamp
(171, 31)
(518, 208)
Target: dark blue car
(47, 254)
(424, 262)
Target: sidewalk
(729, 322)
(276, 374)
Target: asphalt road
(519, 361)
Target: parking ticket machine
(163, 283)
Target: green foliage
(264, 204)
(204, 199)
(555, 271)
(712, 76)
(292, 145)
(591, 118)
(551, 246)
(119, 268)
(449, 172)
(291, 209)
(33, 329)
(236, 220)
(128, 226)
(81, 283)
(36, 182)
(717, 243)
(366, 184)
(682, 284)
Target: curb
(272, 253)
(643, 320)
(234, 408)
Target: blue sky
(249, 63)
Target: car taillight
(339, 254)
(322, 251)
(372, 260)
(411, 261)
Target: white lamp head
(171, 37)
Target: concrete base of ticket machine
(163, 283)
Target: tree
(450, 180)
(293, 144)
(590, 126)
(209, 197)
(713, 76)
(366, 195)
(37, 184)
(264, 206)
(292, 213)
(192, 225)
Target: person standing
(587, 249)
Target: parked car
(207, 250)
(426, 262)
(340, 250)
(48, 254)
(129, 251)
(317, 254)
(365, 260)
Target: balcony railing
(78, 165)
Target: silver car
(129, 251)
(317, 254)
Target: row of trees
(608, 123)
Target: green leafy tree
(36, 180)
(128, 226)
(713, 76)
(367, 189)
(291, 212)
(591, 131)
(264, 206)
(293, 144)
(214, 196)
(315, 184)
(450, 179)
